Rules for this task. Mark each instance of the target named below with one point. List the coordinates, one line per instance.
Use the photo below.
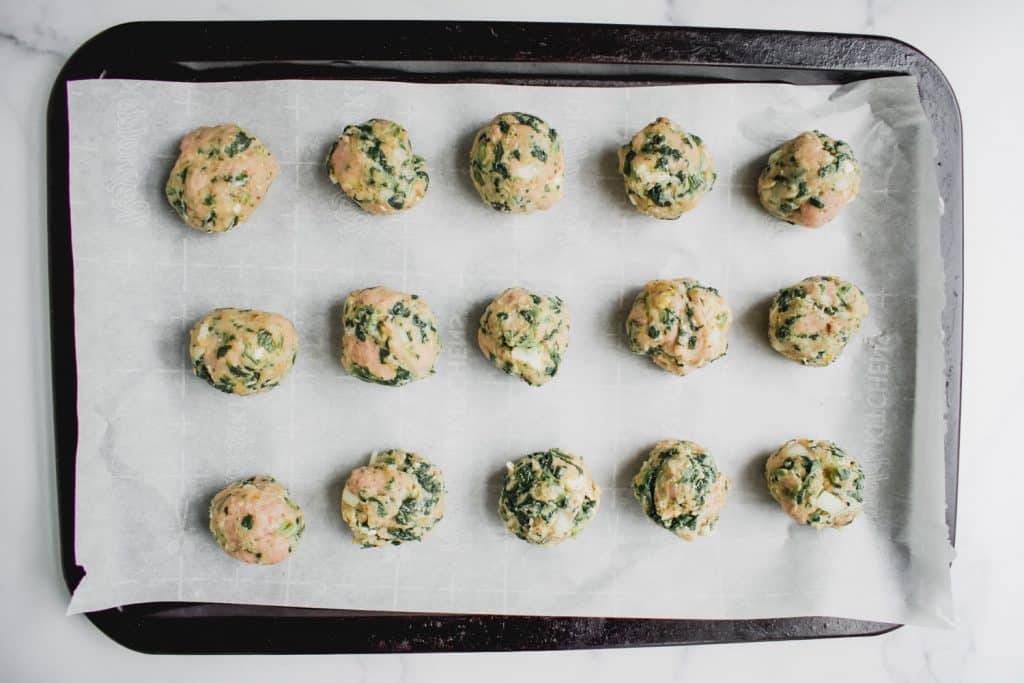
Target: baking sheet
(155, 442)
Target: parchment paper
(156, 442)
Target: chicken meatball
(389, 337)
(547, 497)
(525, 334)
(397, 497)
(255, 521)
(680, 324)
(221, 176)
(241, 351)
(815, 482)
(374, 165)
(812, 321)
(517, 164)
(809, 179)
(681, 489)
(666, 170)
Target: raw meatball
(374, 165)
(666, 169)
(815, 482)
(517, 164)
(240, 351)
(255, 521)
(398, 497)
(547, 497)
(812, 321)
(389, 337)
(809, 179)
(220, 177)
(525, 334)
(681, 324)
(681, 489)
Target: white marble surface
(977, 45)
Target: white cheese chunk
(829, 503)
(532, 356)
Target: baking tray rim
(680, 53)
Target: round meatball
(525, 334)
(517, 163)
(374, 165)
(241, 351)
(397, 497)
(815, 482)
(809, 179)
(255, 521)
(547, 497)
(389, 337)
(221, 175)
(812, 321)
(681, 489)
(666, 170)
(681, 324)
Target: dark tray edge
(727, 52)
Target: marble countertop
(977, 46)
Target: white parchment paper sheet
(156, 442)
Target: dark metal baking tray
(524, 53)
